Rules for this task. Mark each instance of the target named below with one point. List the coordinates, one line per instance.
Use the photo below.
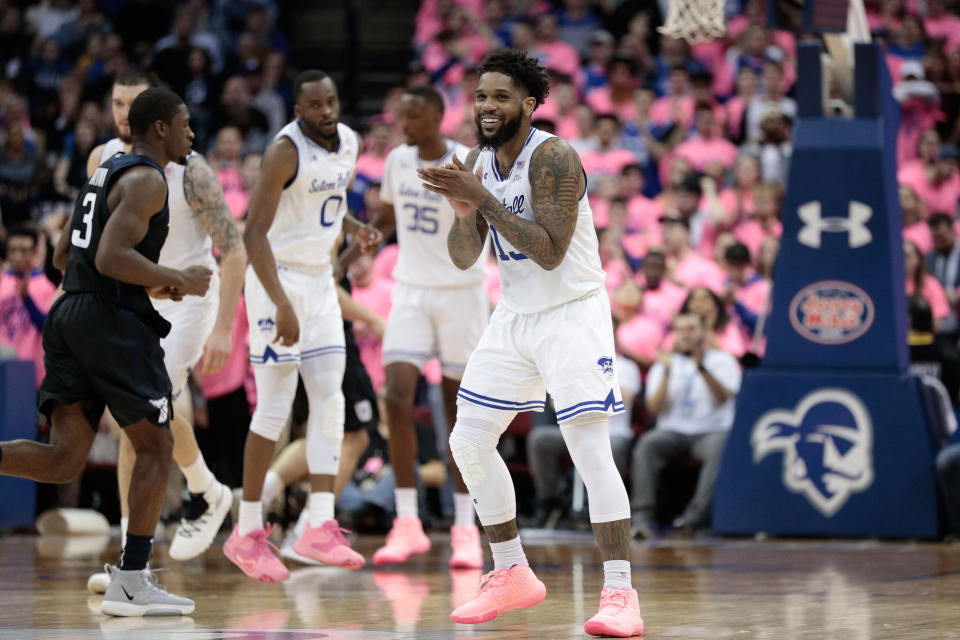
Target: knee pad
(325, 435)
(588, 442)
(467, 442)
(276, 387)
(323, 376)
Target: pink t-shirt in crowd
(663, 302)
(371, 166)
(233, 375)
(642, 335)
(730, 339)
(16, 328)
(637, 244)
(600, 101)
(385, 261)
(616, 270)
(919, 234)
(233, 192)
(609, 163)
(376, 297)
(734, 206)
(697, 271)
(702, 153)
(934, 294)
(670, 109)
(946, 27)
(940, 198)
(753, 294)
(643, 213)
(560, 56)
(752, 233)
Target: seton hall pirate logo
(827, 446)
(605, 365)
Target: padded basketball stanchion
(832, 436)
(18, 419)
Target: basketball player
(437, 308)
(102, 340)
(199, 326)
(552, 330)
(297, 210)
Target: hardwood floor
(707, 588)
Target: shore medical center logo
(831, 312)
(827, 446)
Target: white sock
(616, 574)
(464, 515)
(272, 486)
(123, 531)
(321, 507)
(406, 502)
(198, 475)
(251, 517)
(506, 554)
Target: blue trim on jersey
(496, 403)
(496, 171)
(401, 352)
(493, 162)
(323, 351)
(588, 405)
(452, 365)
(617, 408)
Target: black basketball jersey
(89, 219)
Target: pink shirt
(560, 56)
(696, 271)
(736, 206)
(643, 213)
(456, 114)
(670, 109)
(946, 27)
(663, 302)
(702, 153)
(753, 295)
(233, 374)
(385, 261)
(492, 283)
(919, 234)
(375, 297)
(637, 244)
(16, 328)
(233, 192)
(736, 109)
(616, 271)
(597, 163)
(938, 198)
(371, 166)
(600, 101)
(751, 233)
(642, 335)
(934, 294)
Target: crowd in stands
(686, 148)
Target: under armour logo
(161, 404)
(854, 224)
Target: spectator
(764, 222)
(908, 42)
(25, 298)
(929, 357)
(676, 107)
(19, 170)
(225, 159)
(771, 100)
(686, 205)
(556, 55)
(265, 98)
(915, 226)
(43, 74)
(747, 292)
(374, 294)
(47, 17)
(722, 331)
(944, 263)
(933, 176)
(70, 173)
(919, 102)
(737, 105)
(617, 96)
(662, 298)
(638, 335)
(773, 147)
(578, 25)
(88, 23)
(608, 158)
(235, 109)
(691, 392)
(598, 58)
(707, 146)
(684, 265)
(560, 107)
(920, 282)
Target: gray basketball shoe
(138, 593)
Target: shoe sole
(261, 577)
(127, 610)
(380, 562)
(98, 583)
(531, 599)
(218, 516)
(599, 628)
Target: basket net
(695, 20)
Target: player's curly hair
(524, 70)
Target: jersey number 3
(81, 237)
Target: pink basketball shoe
(326, 544)
(252, 554)
(619, 615)
(406, 538)
(503, 590)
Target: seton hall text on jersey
(517, 207)
(318, 186)
(411, 192)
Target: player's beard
(504, 134)
(125, 138)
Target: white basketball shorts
(566, 350)
(191, 321)
(426, 323)
(314, 299)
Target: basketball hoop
(695, 20)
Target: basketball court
(707, 588)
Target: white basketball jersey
(528, 288)
(311, 210)
(424, 220)
(188, 242)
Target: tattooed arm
(556, 184)
(465, 241)
(205, 196)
